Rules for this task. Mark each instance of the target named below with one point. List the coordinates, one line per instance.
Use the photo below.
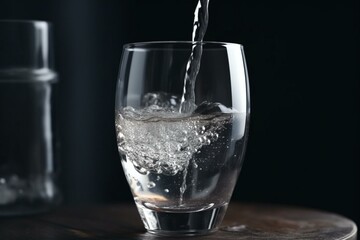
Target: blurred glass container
(27, 164)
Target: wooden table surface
(121, 221)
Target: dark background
(303, 62)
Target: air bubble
(138, 185)
(158, 140)
(141, 170)
(151, 185)
(120, 136)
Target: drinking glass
(181, 166)
(27, 156)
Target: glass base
(24, 207)
(177, 223)
(25, 196)
(22, 210)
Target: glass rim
(24, 22)
(162, 45)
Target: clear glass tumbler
(182, 167)
(27, 165)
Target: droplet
(2, 180)
(166, 190)
(158, 178)
(208, 142)
(151, 185)
(120, 136)
(138, 186)
(195, 165)
(144, 171)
